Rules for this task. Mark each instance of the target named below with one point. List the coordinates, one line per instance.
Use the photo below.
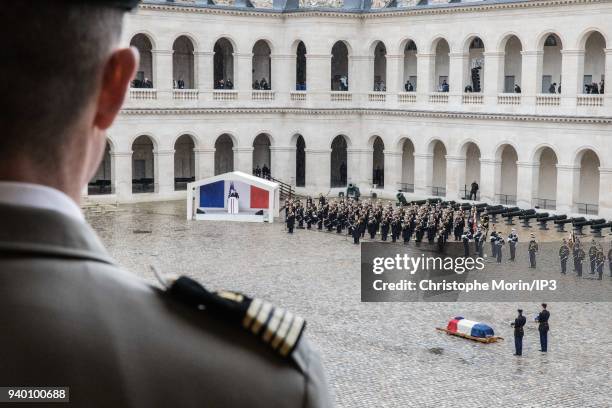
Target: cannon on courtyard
(528, 215)
(494, 210)
(579, 225)
(544, 220)
(562, 222)
(352, 191)
(517, 213)
(401, 200)
(596, 228)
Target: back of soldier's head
(53, 55)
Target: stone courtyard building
(339, 109)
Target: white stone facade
(529, 148)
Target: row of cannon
(543, 219)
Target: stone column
(162, 73)
(531, 75)
(361, 76)
(394, 73)
(204, 70)
(568, 179)
(318, 77)
(608, 74)
(455, 176)
(282, 166)
(318, 167)
(423, 175)
(243, 72)
(527, 181)
(425, 77)
(243, 159)
(605, 192)
(164, 171)
(572, 68)
(493, 81)
(490, 179)
(121, 175)
(204, 162)
(393, 169)
(359, 167)
(282, 79)
(456, 74)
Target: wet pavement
(376, 354)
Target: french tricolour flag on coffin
(215, 195)
(469, 327)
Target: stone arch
(300, 52)
(587, 199)
(406, 146)
(224, 153)
(379, 68)
(262, 155)
(378, 161)
(441, 68)
(471, 152)
(339, 163)
(438, 179)
(223, 63)
(102, 181)
(300, 159)
(184, 161)
(340, 66)
(409, 50)
(262, 65)
(507, 154)
(183, 62)
(143, 164)
(592, 71)
(474, 66)
(545, 187)
(549, 80)
(513, 62)
(143, 42)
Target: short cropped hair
(53, 55)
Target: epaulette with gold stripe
(278, 328)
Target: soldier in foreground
(74, 318)
(518, 325)
(543, 328)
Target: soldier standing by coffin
(532, 249)
(518, 325)
(543, 328)
(563, 256)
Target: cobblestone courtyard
(376, 354)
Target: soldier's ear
(118, 72)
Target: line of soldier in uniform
(434, 222)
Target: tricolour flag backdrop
(214, 195)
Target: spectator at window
(517, 88)
(552, 88)
(408, 87)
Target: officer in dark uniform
(70, 315)
(563, 256)
(543, 327)
(512, 241)
(532, 249)
(384, 229)
(518, 325)
(593, 256)
(290, 222)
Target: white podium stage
(234, 196)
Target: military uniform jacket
(71, 317)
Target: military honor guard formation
(433, 221)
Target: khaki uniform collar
(38, 232)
